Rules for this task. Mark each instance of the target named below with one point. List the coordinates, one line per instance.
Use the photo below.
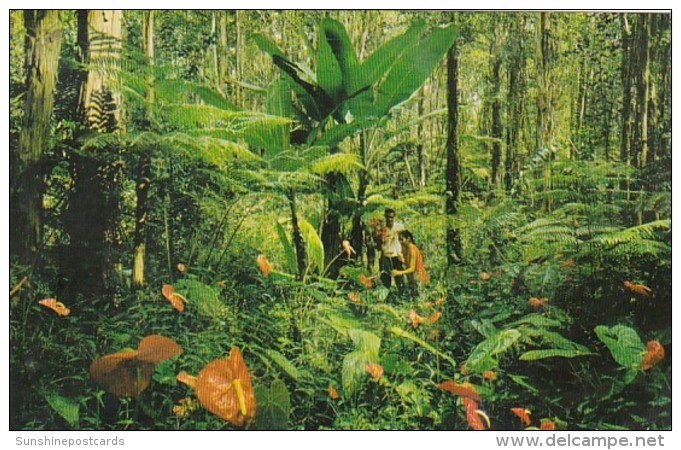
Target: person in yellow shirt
(414, 269)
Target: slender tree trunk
(144, 178)
(357, 238)
(625, 144)
(453, 170)
(496, 109)
(43, 44)
(643, 90)
(298, 242)
(420, 138)
(222, 50)
(515, 102)
(544, 99)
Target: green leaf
(352, 371)
(365, 342)
(483, 356)
(339, 42)
(278, 103)
(624, 344)
(206, 297)
(289, 254)
(407, 71)
(213, 98)
(66, 408)
(534, 355)
(329, 74)
(274, 406)
(286, 365)
(407, 335)
(315, 248)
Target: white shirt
(391, 246)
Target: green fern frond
(646, 231)
(337, 162)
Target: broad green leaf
(273, 406)
(286, 365)
(624, 344)
(352, 371)
(66, 408)
(336, 162)
(329, 75)
(213, 98)
(339, 42)
(536, 320)
(289, 254)
(315, 248)
(365, 342)
(407, 335)
(534, 355)
(483, 356)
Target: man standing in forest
(391, 249)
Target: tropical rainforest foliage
(195, 196)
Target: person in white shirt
(391, 250)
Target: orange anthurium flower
(434, 317)
(55, 306)
(428, 305)
(415, 319)
(547, 425)
(349, 251)
(264, 265)
(489, 375)
(465, 390)
(353, 297)
(181, 267)
(366, 281)
(128, 372)
(537, 302)
(175, 299)
(189, 380)
(473, 415)
(222, 284)
(224, 388)
(523, 413)
(655, 355)
(484, 276)
(434, 334)
(569, 263)
(333, 393)
(439, 301)
(375, 370)
(637, 288)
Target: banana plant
(345, 96)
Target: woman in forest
(413, 261)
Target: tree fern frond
(337, 162)
(646, 231)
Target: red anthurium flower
(264, 265)
(465, 390)
(655, 355)
(333, 393)
(484, 276)
(473, 415)
(637, 288)
(523, 413)
(489, 375)
(55, 306)
(547, 425)
(375, 370)
(353, 297)
(366, 281)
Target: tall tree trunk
(420, 138)
(144, 178)
(94, 202)
(43, 44)
(515, 102)
(640, 155)
(544, 101)
(298, 242)
(453, 170)
(626, 119)
(496, 106)
(357, 238)
(222, 50)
